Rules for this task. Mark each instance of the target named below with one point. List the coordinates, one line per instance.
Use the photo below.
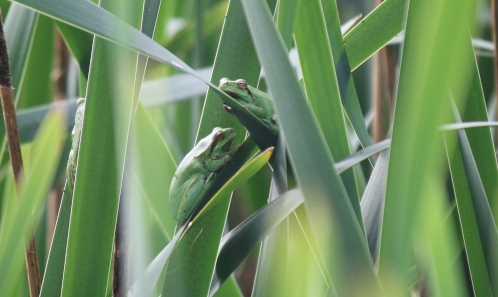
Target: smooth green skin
(257, 102)
(197, 171)
(75, 146)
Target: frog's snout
(224, 81)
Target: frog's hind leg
(192, 196)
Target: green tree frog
(75, 145)
(257, 102)
(197, 171)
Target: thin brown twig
(10, 119)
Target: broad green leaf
(100, 167)
(374, 31)
(313, 166)
(416, 155)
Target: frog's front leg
(215, 163)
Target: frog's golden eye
(242, 84)
(220, 135)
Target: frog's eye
(242, 84)
(220, 135)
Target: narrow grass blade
(54, 270)
(468, 224)
(19, 31)
(145, 286)
(174, 88)
(359, 156)
(458, 126)
(22, 217)
(347, 88)
(436, 248)
(91, 18)
(79, 43)
(286, 19)
(372, 203)
(273, 260)
(486, 223)
(480, 139)
(322, 89)
(37, 84)
(154, 171)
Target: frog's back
(191, 163)
(263, 100)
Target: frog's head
(221, 139)
(237, 89)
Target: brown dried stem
(383, 93)
(10, 119)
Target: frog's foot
(274, 119)
(228, 108)
(271, 125)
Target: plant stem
(10, 119)
(383, 92)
